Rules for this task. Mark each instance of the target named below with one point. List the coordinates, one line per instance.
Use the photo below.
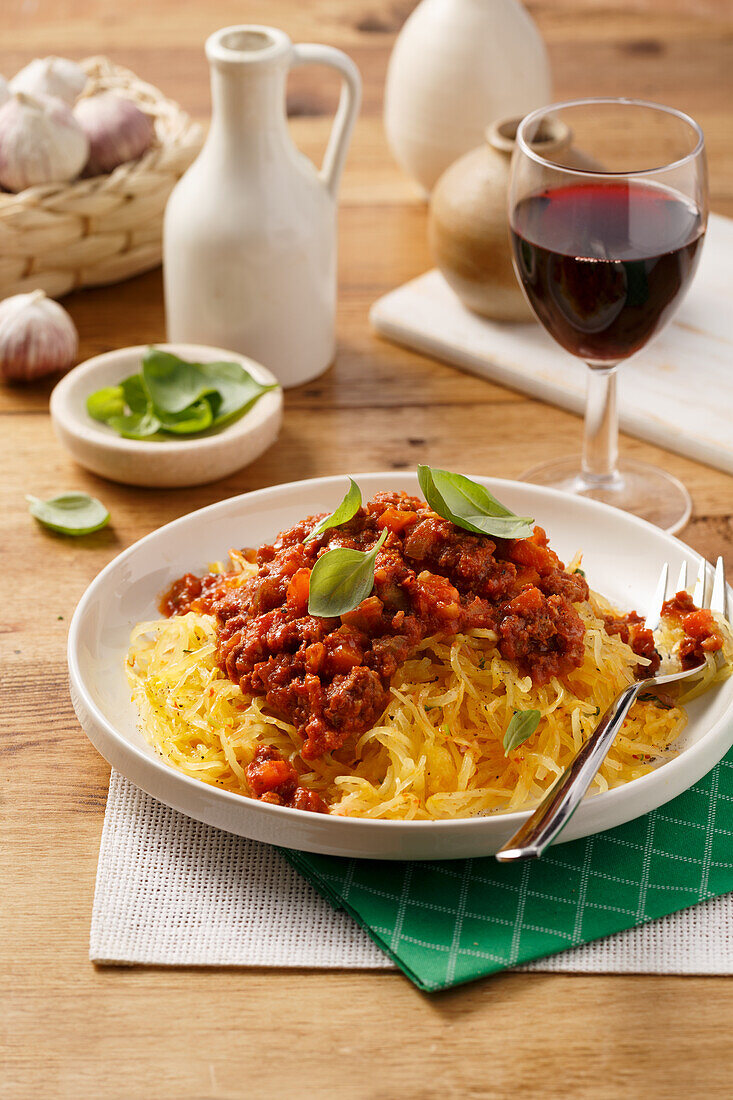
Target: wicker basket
(57, 237)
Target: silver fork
(566, 794)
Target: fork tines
(716, 593)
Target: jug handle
(309, 53)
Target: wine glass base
(643, 490)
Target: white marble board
(677, 393)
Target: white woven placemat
(171, 891)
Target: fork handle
(566, 794)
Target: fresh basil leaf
(523, 724)
(70, 513)
(341, 579)
(107, 402)
(237, 389)
(196, 418)
(460, 492)
(346, 510)
(136, 396)
(215, 402)
(470, 505)
(173, 383)
(136, 425)
(172, 396)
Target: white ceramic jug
(250, 229)
(458, 66)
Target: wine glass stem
(600, 441)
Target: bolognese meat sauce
(330, 676)
(701, 632)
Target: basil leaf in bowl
(172, 383)
(106, 403)
(172, 397)
(237, 389)
(136, 425)
(194, 418)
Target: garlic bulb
(40, 142)
(56, 76)
(37, 337)
(117, 130)
(4, 93)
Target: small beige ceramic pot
(468, 232)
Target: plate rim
(611, 799)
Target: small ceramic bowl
(161, 464)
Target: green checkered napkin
(450, 922)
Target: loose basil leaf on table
(341, 579)
(470, 505)
(346, 510)
(107, 402)
(523, 724)
(70, 513)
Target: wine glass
(607, 228)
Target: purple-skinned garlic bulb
(117, 131)
(37, 337)
(40, 142)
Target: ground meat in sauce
(631, 629)
(189, 590)
(272, 779)
(330, 677)
(701, 633)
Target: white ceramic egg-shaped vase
(249, 241)
(458, 66)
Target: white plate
(622, 558)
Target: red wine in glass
(604, 262)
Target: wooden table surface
(70, 1030)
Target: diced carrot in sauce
(274, 780)
(269, 775)
(298, 591)
(395, 520)
(534, 554)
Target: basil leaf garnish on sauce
(341, 579)
(523, 724)
(470, 505)
(346, 510)
(70, 513)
